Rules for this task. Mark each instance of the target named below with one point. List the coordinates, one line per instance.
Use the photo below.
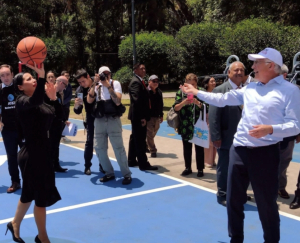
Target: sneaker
(65, 139)
(186, 172)
(107, 178)
(283, 194)
(200, 173)
(127, 180)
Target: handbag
(200, 136)
(173, 118)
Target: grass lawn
(168, 102)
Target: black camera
(103, 76)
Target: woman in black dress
(37, 170)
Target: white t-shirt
(104, 91)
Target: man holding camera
(85, 83)
(108, 94)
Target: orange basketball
(31, 49)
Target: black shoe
(149, 167)
(249, 198)
(283, 194)
(87, 171)
(58, 168)
(132, 163)
(127, 180)
(11, 229)
(107, 178)
(200, 173)
(153, 155)
(186, 172)
(37, 240)
(221, 201)
(296, 202)
(14, 187)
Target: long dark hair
(18, 80)
(205, 81)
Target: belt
(249, 147)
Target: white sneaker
(65, 139)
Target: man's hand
(67, 123)
(161, 119)
(78, 102)
(144, 122)
(50, 91)
(217, 144)
(261, 131)
(188, 88)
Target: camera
(103, 76)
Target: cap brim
(254, 57)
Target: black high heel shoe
(37, 240)
(11, 229)
(296, 202)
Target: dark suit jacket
(223, 121)
(139, 101)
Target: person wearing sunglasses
(156, 113)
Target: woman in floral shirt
(189, 111)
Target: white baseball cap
(268, 53)
(103, 69)
(152, 77)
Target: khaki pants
(152, 128)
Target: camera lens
(102, 76)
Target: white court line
(100, 201)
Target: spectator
(139, 114)
(8, 125)
(223, 122)
(286, 154)
(189, 112)
(156, 113)
(86, 83)
(109, 124)
(50, 77)
(67, 96)
(271, 112)
(209, 83)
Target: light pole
(133, 32)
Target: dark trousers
(66, 109)
(55, 136)
(260, 167)
(11, 142)
(187, 154)
(137, 144)
(222, 172)
(89, 144)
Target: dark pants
(11, 142)
(55, 136)
(187, 154)
(137, 145)
(89, 144)
(222, 172)
(66, 109)
(260, 167)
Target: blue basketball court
(154, 208)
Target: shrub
(124, 76)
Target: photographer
(108, 94)
(85, 83)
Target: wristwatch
(92, 96)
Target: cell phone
(80, 95)
(190, 96)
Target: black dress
(35, 119)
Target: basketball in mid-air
(31, 49)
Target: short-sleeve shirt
(105, 95)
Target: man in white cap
(156, 113)
(271, 112)
(108, 95)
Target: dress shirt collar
(138, 77)
(4, 85)
(279, 79)
(233, 85)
